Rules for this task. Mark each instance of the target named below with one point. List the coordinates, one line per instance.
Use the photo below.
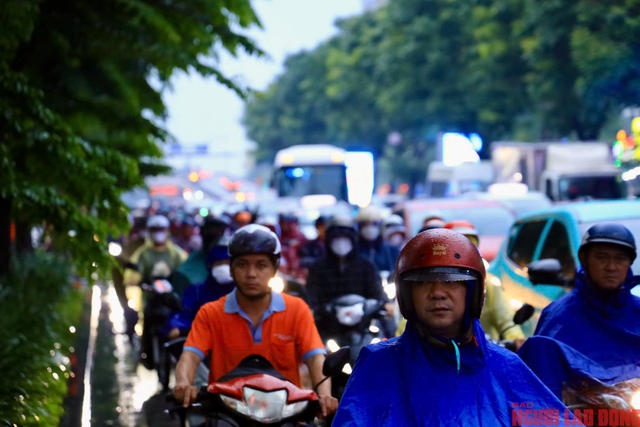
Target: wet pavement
(123, 392)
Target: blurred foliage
(536, 70)
(81, 109)
(38, 305)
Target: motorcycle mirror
(523, 314)
(546, 272)
(334, 362)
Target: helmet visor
(440, 274)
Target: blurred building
(369, 5)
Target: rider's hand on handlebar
(187, 394)
(390, 309)
(328, 405)
(174, 333)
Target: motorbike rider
(594, 328)
(395, 232)
(342, 272)
(441, 371)
(431, 222)
(218, 284)
(160, 256)
(313, 250)
(161, 250)
(253, 319)
(194, 269)
(137, 238)
(371, 246)
(497, 314)
(292, 240)
(186, 237)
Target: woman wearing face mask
(341, 271)
(371, 246)
(218, 284)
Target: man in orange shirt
(252, 319)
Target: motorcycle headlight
(635, 400)
(294, 408)
(265, 407)
(390, 290)
(333, 346)
(277, 284)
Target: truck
(564, 171)
(448, 181)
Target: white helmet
(394, 224)
(158, 221)
(369, 214)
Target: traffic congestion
(349, 213)
(307, 291)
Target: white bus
(314, 170)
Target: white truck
(447, 181)
(564, 171)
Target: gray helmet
(255, 239)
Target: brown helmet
(440, 255)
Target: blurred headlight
(115, 249)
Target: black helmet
(612, 233)
(255, 239)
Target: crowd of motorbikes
(255, 394)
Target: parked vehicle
(553, 232)
(491, 218)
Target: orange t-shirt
(286, 335)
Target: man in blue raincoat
(593, 331)
(441, 371)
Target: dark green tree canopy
(80, 119)
(545, 69)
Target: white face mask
(222, 274)
(370, 232)
(159, 237)
(396, 239)
(341, 246)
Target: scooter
(255, 394)
(350, 321)
(161, 303)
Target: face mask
(222, 274)
(370, 232)
(341, 246)
(159, 237)
(395, 240)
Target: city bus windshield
(300, 181)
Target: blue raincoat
(587, 333)
(405, 381)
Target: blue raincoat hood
(407, 382)
(587, 333)
(604, 326)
